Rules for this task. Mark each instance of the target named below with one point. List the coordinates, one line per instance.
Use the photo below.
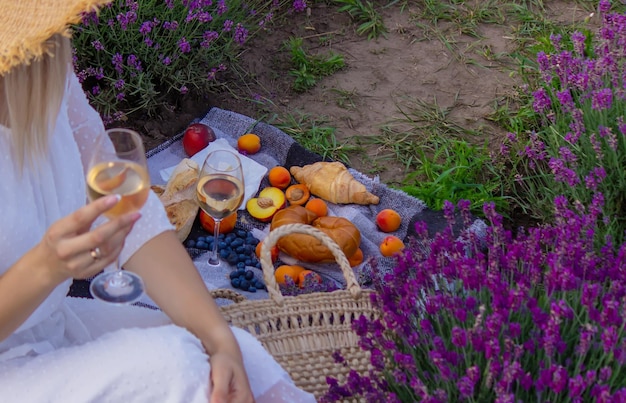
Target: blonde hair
(32, 96)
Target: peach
(274, 252)
(388, 220)
(318, 206)
(249, 143)
(391, 245)
(284, 271)
(311, 275)
(357, 258)
(269, 201)
(279, 177)
(227, 225)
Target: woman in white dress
(54, 348)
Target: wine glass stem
(118, 280)
(213, 257)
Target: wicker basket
(302, 332)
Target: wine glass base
(117, 287)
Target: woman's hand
(229, 381)
(70, 248)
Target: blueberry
(209, 238)
(222, 245)
(230, 236)
(232, 258)
(202, 245)
(244, 284)
(236, 242)
(248, 249)
(248, 261)
(252, 288)
(240, 249)
(241, 265)
(200, 239)
(191, 243)
(257, 264)
(241, 233)
(236, 282)
(252, 241)
(224, 253)
(233, 275)
(249, 275)
(241, 272)
(242, 258)
(221, 236)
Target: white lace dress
(82, 350)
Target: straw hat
(25, 25)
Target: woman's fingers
(82, 219)
(108, 238)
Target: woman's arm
(63, 253)
(173, 282)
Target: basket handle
(268, 266)
(225, 293)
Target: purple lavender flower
(542, 100)
(241, 34)
(299, 5)
(183, 45)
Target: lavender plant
(580, 148)
(536, 317)
(136, 53)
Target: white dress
(82, 350)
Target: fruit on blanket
(357, 258)
(297, 194)
(249, 143)
(226, 226)
(306, 277)
(388, 220)
(279, 177)
(391, 245)
(196, 137)
(291, 271)
(307, 248)
(274, 252)
(318, 206)
(269, 201)
(333, 182)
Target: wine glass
(118, 166)
(220, 190)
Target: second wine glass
(220, 190)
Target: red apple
(197, 136)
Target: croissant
(333, 182)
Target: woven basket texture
(303, 332)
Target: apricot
(311, 275)
(269, 201)
(388, 220)
(227, 225)
(318, 206)
(274, 252)
(391, 245)
(279, 177)
(297, 194)
(249, 143)
(292, 271)
(357, 258)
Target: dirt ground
(466, 77)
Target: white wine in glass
(118, 166)
(220, 190)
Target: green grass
(309, 69)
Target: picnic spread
(279, 149)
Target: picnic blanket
(278, 148)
